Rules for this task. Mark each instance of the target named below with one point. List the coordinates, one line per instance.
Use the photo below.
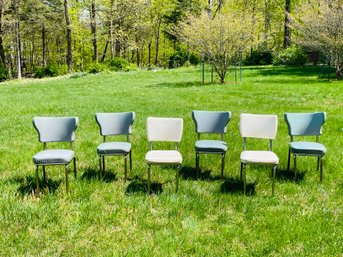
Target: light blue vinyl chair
(112, 124)
(306, 124)
(55, 129)
(215, 123)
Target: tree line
(75, 35)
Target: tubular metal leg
(149, 182)
(244, 179)
(273, 183)
(223, 165)
(177, 177)
(131, 161)
(321, 169)
(75, 175)
(37, 182)
(44, 174)
(241, 175)
(289, 159)
(100, 166)
(103, 164)
(295, 166)
(67, 179)
(197, 163)
(125, 163)
(318, 159)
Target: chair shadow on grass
(190, 173)
(285, 175)
(94, 174)
(235, 186)
(28, 185)
(139, 185)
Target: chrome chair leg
(197, 163)
(37, 182)
(149, 182)
(223, 165)
(75, 173)
(67, 179)
(273, 183)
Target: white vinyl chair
(55, 129)
(113, 124)
(258, 126)
(164, 130)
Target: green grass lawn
(207, 217)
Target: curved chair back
(305, 124)
(115, 123)
(211, 121)
(258, 126)
(56, 129)
(164, 129)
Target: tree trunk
(17, 39)
(149, 53)
(105, 51)
(69, 53)
(93, 32)
(157, 39)
(2, 51)
(44, 46)
(111, 30)
(287, 30)
(117, 48)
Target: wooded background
(73, 35)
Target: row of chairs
(62, 129)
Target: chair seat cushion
(114, 148)
(259, 157)
(163, 157)
(56, 156)
(307, 148)
(210, 146)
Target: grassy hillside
(207, 217)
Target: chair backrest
(258, 126)
(210, 121)
(305, 124)
(56, 129)
(164, 129)
(115, 123)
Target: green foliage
(39, 72)
(97, 67)
(260, 56)
(51, 70)
(3, 73)
(121, 64)
(117, 64)
(180, 57)
(292, 56)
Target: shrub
(39, 72)
(3, 73)
(118, 63)
(293, 56)
(261, 56)
(194, 59)
(177, 59)
(96, 68)
(51, 70)
(130, 67)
